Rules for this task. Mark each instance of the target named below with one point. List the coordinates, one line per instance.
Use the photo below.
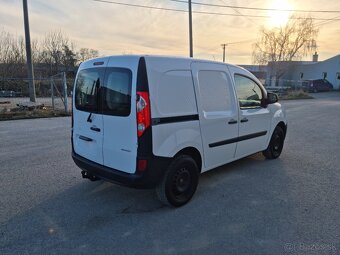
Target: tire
(179, 182)
(275, 145)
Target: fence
(285, 86)
(54, 92)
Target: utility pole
(29, 54)
(223, 46)
(190, 31)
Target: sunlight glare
(279, 18)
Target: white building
(296, 71)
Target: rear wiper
(95, 87)
(89, 117)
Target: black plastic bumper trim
(146, 179)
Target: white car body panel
(120, 135)
(177, 87)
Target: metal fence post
(52, 92)
(65, 92)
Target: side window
(116, 92)
(249, 93)
(87, 84)
(215, 91)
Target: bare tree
(86, 53)
(53, 54)
(278, 47)
(12, 54)
(56, 51)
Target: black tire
(179, 182)
(275, 145)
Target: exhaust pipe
(87, 175)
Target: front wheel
(179, 182)
(275, 145)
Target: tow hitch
(87, 175)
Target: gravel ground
(252, 206)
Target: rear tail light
(142, 164)
(143, 112)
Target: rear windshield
(106, 91)
(116, 92)
(87, 86)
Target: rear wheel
(179, 182)
(275, 145)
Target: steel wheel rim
(277, 145)
(181, 183)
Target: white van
(158, 122)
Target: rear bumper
(146, 179)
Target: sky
(114, 29)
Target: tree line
(52, 54)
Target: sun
(279, 18)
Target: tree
(278, 47)
(12, 54)
(69, 58)
(85, 54)
(58, 52)
(53, 54)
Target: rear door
(217, 112)
(118, 98)
(88, 123)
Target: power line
(237, 11)
(321, 23)
(258, 8)
(140, 6)
(199, 12)
(239, 42)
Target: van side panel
(174, 113)
(217, 112)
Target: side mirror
(272, 98)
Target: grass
(16, 113)
(298, 94)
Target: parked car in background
(9, 93)
(317, 85)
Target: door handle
(87, 139)
(244, 120)
(95, 129)
(232, 121)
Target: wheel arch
(194, 153)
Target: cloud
(116, 29)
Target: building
(294, 72)
(260, 71)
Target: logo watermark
(312, 247)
